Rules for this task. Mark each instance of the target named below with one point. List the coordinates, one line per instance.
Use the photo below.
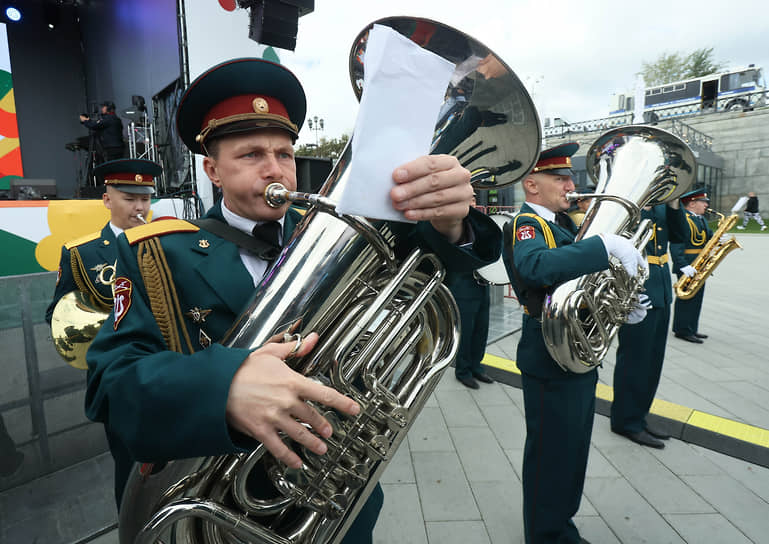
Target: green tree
(326, 149)
(671, 67)
(700, 63)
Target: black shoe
(482, 377)
(698, 335)
(643, 438)
(690, 338)
(470, 382)
(658, 433)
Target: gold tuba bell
(388, 328)
(76, 319)
(709, 258)
(633, 167)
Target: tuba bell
(388, 328)
(76, 319)
(633, 167)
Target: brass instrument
(388, 328)
(76, 319)
(709, 258)
(633, 167)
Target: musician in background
(686, 315)
(641, 347)
(472, 297)
(539, 252)
(159, 379)
(129, 185)
(107, 128)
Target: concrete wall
(742, 140)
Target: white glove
(689, 271)
(644, 301)
(638, 313)
(724, 238)
(623, 249)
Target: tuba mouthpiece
(275, 195)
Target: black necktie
(562, 220)
(269, 233)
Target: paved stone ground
(456, 479)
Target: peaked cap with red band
(136, 176)
(697, 194)
(240, 95)
(556, 160)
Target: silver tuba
(388, 328)
(633, 167)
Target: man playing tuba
(159, 379)
(559, 405)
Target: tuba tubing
(633, 166)
(388, 328)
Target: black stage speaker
(32, 189)
(275, 22)
(311, 173)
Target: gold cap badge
(260, 105)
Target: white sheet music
(403, 89)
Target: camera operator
(108, 130)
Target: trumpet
(141, 218)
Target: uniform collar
(242, 223)
(115, 229)
(541, 211)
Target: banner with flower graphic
(10, 152)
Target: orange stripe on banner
(10, 163)
(24, 203)
(8, 126)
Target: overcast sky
(571, 55)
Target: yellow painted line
(500, 363)
(727, 427)
(669, 410)
(603, 391)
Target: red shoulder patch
(525, 232)
(122, 293)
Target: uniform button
(659, 228)
(659, 247)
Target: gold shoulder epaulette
(83, 240)
(158, 228)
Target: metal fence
(744, 102)
(41, 397)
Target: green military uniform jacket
(697, 235)
(540, 267)
(158, 404)
(669, 226)
(81, 262)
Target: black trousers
(640, 354)
(559, 424)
